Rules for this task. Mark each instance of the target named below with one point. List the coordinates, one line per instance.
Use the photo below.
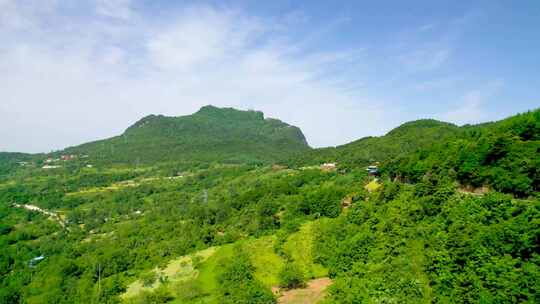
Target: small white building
(50, 167)
(32, 263)
(328, 166)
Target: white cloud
(202, 36)
(93, 82)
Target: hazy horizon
(97, 139)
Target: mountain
(406, 138)
(250, 234)
(210, 135)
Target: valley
(446, 214)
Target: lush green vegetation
(401, 140)
(503, 156)
(428, 243)
(113, 236)
(211, 135)
(199, 231)
(9, 162)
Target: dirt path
(312, 293)
(479, 191)
(53, 216)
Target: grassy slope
(300, 247)
(261, 252)
(266, 262)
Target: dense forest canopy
(224, 206)
(504, 156)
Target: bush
(4, 229)
(188, 291)
(291, 276)
(149, 278)
(158, 296)
(238, 284)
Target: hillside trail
(52, 215)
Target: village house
(277, 167)
(32, 263)
(67, 157)
(50, 167)
(373, 170)
(328, 166)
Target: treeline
(50, 189)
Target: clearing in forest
(198, 273)
(181, 269)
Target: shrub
(238, 284)
(160, 295)
(189, 290)
(291, 276)
(149, 278)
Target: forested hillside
(401, 140)
(221, 229)
(11, 161)
(211, 135)
(504, 156)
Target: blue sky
(75, 71)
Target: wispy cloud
(203, 36)
(93, 82)
(23, 15)
(440, 83)
(119, 9)
(79, 71)
(426, 57)
(430, 46)
(473, 106)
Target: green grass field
(266, 262)
(193, 278)
(299, 247)
(178, 270)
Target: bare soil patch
(473, 191)
(314, 292)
